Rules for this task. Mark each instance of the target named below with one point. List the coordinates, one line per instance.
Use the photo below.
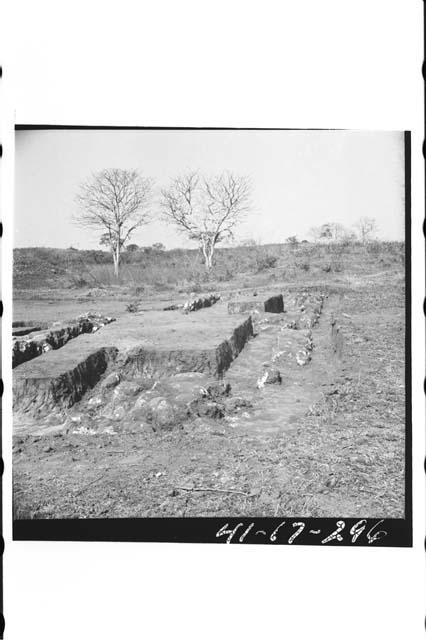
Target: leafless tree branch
(117, 202)
(206, 210)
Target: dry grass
(39, 268)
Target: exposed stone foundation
(274, 304)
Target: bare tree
(329, 232)
(315, 233)
(207, 210)
(115, 201)
(366, 227)
(292, 240)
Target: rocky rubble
(164, 405)
(199, 303)
(195, 303)
(304, 355)
(270, 375)
(310, 308)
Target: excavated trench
(31, 340)
(38, 395)
(159, 369)
(302, 349)
(151, 346)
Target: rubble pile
(199, 303)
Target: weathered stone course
(274, 304)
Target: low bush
(303, 265)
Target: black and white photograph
(212, 320)
(211, 324)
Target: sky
(300, 179)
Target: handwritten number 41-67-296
(240, 533)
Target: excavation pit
(24, 327)
(31, 342)
(151, 345)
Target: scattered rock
(96, 401)
(158, 412)
(303, 357)
(163, 414)
(331, 482)
(200, 302)
(269, 376)
(127, 389)
(47, 449)
(134, 307)
(209, 409)
(119, 414)
(140, 403)
(111, 381)
(216, 390)
(236, 403)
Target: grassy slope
(43, 268)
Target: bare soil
(328, 440)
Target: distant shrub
(79, 282)
(196, 287)
(131, 248)
(161, 286)
(309, 250)
(337, 266)
(292, 240)
(265, 261)
(374, 247)
(303, 265)
(226, 275)
(158, 246)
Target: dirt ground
(330, 440)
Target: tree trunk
(207, 249)
(209, 262)
(116, 258)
